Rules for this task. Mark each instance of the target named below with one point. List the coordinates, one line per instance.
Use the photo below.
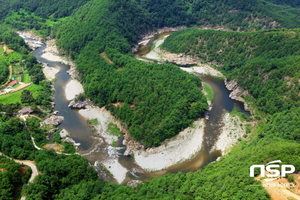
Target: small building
(13, 83)
(25, 111)
(1, 43)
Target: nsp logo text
(274, 169)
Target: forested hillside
(157, 101)
(111, 27)
(292, 3)
(265, 62)
(20, 52)
(43, 8)
(153, 107)
(12, 177)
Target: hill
(159, 100)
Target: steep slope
(156, 98)
(153, 107)
(264, 62)
(43, 8)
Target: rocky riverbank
(237, 92)
(174, 150)
(232, 130)
(149, 35)
(35, 40)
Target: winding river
(78, 128)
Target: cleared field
(17, 69)
(16, 97)
(25, 78)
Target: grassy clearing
(26, 78)
(16, 97)
(113, 143)
(209, 92)
(114, 130)
(93, 122)
(18, 69)
(242, 116)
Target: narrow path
(32, 165)
(33, 142)
(28, 163)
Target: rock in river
(53, 120)
(77, 104)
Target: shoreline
(232, 130)
(72, 89)
(174, 150)
(111, 162)
(156, 52)
(50, 72)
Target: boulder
(52, 131)
(237, 92)
(77, 104)
(132, 146)
(53, 120)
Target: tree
(26, 97)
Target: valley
(118, 108)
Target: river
(78, 128)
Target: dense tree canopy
(154, 107)
(157, 101)
(264, 62)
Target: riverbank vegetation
(157, 101)
(153, 107)
(209, 93)
(263, 62)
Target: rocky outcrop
(179, 59)
(51, 47)
(131, 145)
(70, 140)
(31, 39)
(134, 183)
(52, 131)
(237, 92)
(272, 25)
(30, 34)
(77, 104)
(53, 120)
(72, 71)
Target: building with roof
(13, 83)
(25, 111)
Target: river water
(73, 122)
(221, 104)
(78, 128)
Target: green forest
(12, 177)
(263, 62)
(157, 101)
